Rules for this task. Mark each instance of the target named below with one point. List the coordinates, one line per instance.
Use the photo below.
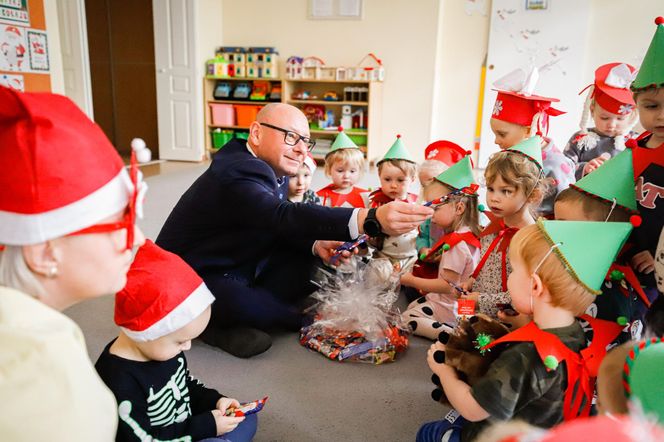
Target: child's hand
(475, 296)
(424, 251)
(468, 285)
(440, 368)
(515, 321)
(643, 262)
(407, 279)
(225, 424)
(595, 163)
(226, 402)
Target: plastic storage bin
(222, 114)
(245, 114)
(221, 137)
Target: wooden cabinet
(320, 100)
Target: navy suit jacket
(236, 214)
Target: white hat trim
(18, 229)
(183, 314)
(310, 163)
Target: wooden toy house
(294, 67)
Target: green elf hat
(342, 141)
(642, 377)
(398, 152)
(459, 175)
(530, 148)
(586, 248)
(613, 180)
(651, 72)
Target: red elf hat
(445, 151)
(611, 88)
(63, 174)
(162, 295)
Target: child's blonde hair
(354, 157)
(435, 167)
(470, 217)
(531, 245)
(519, 171)
(594, 208)
(408, 168)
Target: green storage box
(242, 135)
(221, 137)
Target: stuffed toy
(462, 350)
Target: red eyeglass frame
(129, 219)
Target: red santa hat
(62, 173)
(612, 93)
(310, 162)
(445, 152)
(162, 295)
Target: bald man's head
(267, 137)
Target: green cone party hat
(342, 141)
(586, 248)
(651, 72)
(459, 175)
(614, 179)
(531, 148)
(642, 374)
(398, 152)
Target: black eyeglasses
(291, 138)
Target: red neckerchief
(354, 197)
(377, 198)
(631, 278)
(452, 239)
(581, 367)
(642, 157)
(502, 241)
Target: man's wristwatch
(371, 224)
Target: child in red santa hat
(164, 305)
(610, 105)
(298, 185)
(518, 115)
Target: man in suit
(253, 248)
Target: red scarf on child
(502, 241)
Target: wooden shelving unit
(366, 137)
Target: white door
(179, 88)
(75, 59)
(520, 36)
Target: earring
(52, 272)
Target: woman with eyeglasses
(254, 249)
(67, 225)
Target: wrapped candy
(355, 318)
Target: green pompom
(621, 320)
(482, 341)
(481, 207)
(422, 256)
(551, 362)
(617, 275)
(446, 247)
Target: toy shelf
(334, 132)
(302, 80)
(329, 102)
(212, 126)
(212, 77)
(256, 102)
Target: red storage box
(222, 114)
(246, 114)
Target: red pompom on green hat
(342, 141)
(398, 151)
(614, 180)
(587, 249)
(651, 72)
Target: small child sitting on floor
(164, 305)
(552, 282)
(459, 247)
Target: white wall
(208, 32)
(400, 32)
(54, 52)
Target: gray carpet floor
(311, 397)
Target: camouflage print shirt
(518, 386)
